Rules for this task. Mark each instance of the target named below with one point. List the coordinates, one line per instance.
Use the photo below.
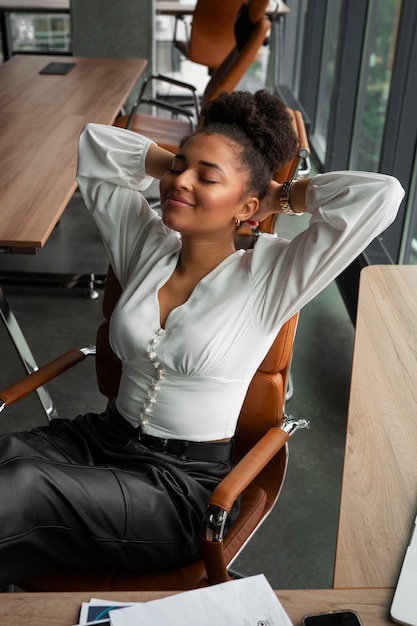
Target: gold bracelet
(285, 198)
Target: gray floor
(295, 546)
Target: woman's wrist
(157, 161)
(292, 197)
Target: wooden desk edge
(62, 609)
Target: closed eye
(207, 181)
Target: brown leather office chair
(168, 132)
(210, 37)
(260, 449)
(260, 452)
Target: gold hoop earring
(237, 221)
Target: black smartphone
(333, 618)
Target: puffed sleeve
(111, 174)
(348, 210)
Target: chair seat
(166, 132)
(188, 577)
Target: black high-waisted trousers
(88, 493)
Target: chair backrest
(228, 74)
(291, 169)
(211, 35)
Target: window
(357, 85)
(40, 32)
(326, 77)
(374, 84)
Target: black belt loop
(185, 446)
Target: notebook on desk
(404, 604)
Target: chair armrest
(44, 374)
(232, 485)
(171, 81)
(168, 107)
(225, 493)
(223, 496)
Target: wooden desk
(174, 7)
(379, 491)
(27, 6)
(167, 7)
(41, 117)
(62, 609)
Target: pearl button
(159, 378)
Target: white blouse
(188, 380)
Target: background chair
(210, 37)
(251, 32)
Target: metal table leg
(24, 353)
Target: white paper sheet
(244, 602)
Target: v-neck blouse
(188, 380)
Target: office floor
(295, 546)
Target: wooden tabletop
(167, 7)
(53, 609)
(379, 491)
(174, 7)
(41, 117)
(62, 6)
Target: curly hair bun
(262, 116)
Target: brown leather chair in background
(168, 132)
(210, 37)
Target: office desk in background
(379, 489)
(41, 117)
(62, 609)
(174, 7)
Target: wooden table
(53, 609)
(174, 7)
(379, 491)
(41, 117)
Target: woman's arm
(114, 164)
(158, 161)
(347, 210)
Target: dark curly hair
(260, 124)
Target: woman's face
(204, 191)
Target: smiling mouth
(178, 200)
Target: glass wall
(326, 77)
(357, 85)
(374, 84)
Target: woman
(128, 488)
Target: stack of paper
(244, 602)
